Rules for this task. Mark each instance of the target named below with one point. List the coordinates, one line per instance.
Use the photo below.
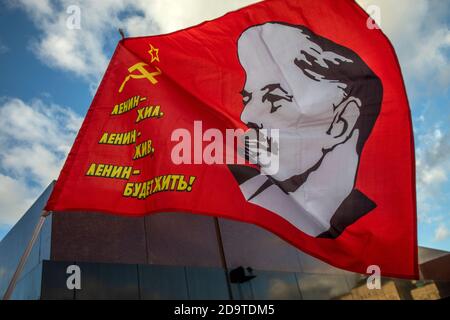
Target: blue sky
(49, 73)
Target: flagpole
(222, 256)
(25, 255)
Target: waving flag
(291, 115)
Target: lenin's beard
(296, 175)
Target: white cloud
(420, 36)
(15, 198)
(421, 41)
(83, 51)
(34, 140)
(432, 167)
(174, 15)
(3, 48)
(433, 175)
(433, 157)
(441, 233)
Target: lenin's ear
(345, 116)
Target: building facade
(186, 256)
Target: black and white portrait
(324, 100)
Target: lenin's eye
(246, 97)
(275, 93)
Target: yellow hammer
(142, 73)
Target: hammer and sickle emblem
(142, 73)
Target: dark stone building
(185, 256)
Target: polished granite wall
(174, 255)
(134, 281)
(175, 239)
(13, 245)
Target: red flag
(305, 90)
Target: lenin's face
(278, 95)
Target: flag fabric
(288, 114)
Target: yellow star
(154, 53)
